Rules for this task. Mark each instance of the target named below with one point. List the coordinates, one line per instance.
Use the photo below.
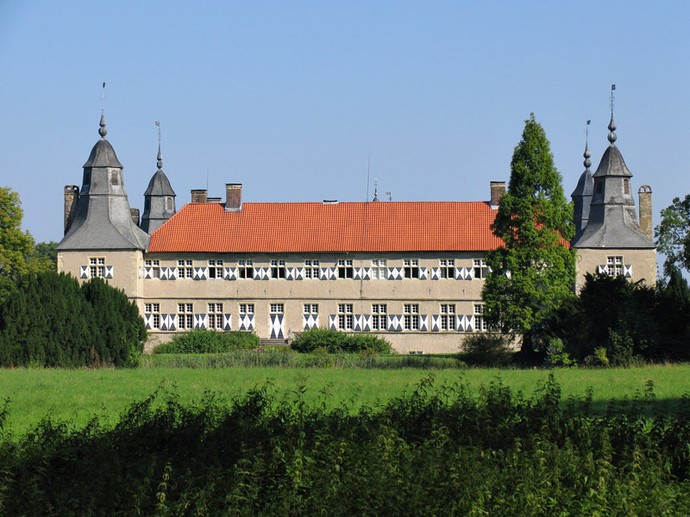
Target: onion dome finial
(102, 130)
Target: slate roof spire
(103, 218)
(159, 198)
(612, 221)
(582, 195)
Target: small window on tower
(114, 178)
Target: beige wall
(643, 262)
(126, 266)
(427, 293)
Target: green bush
(335, 341)
(486, 349)
(208, 342)
(52, 321)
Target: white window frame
(410, 268)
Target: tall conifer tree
(535, 270)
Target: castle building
(609, 239)
(412, 272)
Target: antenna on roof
(390, 196)
(368, 170)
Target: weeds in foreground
(438, 450)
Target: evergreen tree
(122, 330)
(534, 271)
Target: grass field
(76, 396)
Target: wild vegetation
(439, 450)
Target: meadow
(76, 396)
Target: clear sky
(294, 99)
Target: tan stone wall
(427, 293)
(127, 267)
(643, 263)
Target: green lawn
(77, 395)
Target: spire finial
(587, 155)
(612, 125)
(102, 130)
(159, 158)
(376, 190)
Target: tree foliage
(17, 249)
(534, 271)
(50, 320)
(673, 234)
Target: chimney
(134, 212)
(645, 195)
(498, 188)
(199, 195)
(233, 197)
(71, 198)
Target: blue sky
(293, 99)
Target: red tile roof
(384, 226)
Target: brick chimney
(199, 195)
(233, 197)
(645, 196)
(498, 188)
(71, 198)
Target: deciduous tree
(673, 234)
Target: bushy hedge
(50, 320)
(208, 342)
(435, 451)
(334, 341)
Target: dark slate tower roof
(103, 219)
(159, 199)
(582, 195)
(612, 219)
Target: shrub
(556, 356)
(51, 321)
(208, 342)
(335, 341)
(487, 349)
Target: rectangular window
(447, 268)
(311, 268)
(277, 308)
(155, 266)
(345, 269)
(480, 324)
(378, 269)
(184, 269)
(447, 316)
(277, 268)
(215, 268)
(154, 311)
(411, 316)
(185, 316)
(411, 268)
(345, 316)
(378, 316)
(246, 309)
(614, 266)
(481, 270)
(215, 316)
(97, 267)
(245, 268)
(311, 308)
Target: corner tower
(159, 199)
(101, 238)
(612, 241)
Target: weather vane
(613, 89)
